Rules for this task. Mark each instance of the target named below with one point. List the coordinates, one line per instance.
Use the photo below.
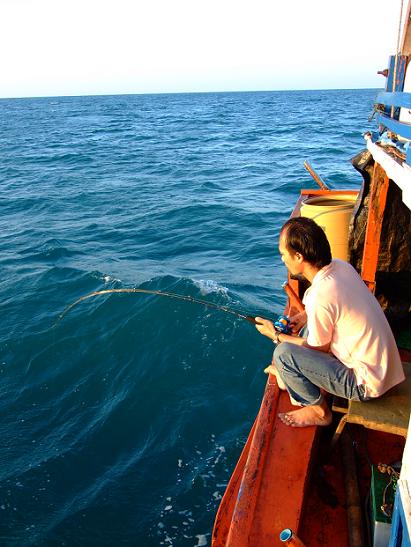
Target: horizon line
(186, 93)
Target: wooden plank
(405, 47)
(389, 413)
(396, 98)
(226, 508)
(376, 207)
(281, 497)
(328, 193)
(396, 67)
(243, 517)
(340, 405)
(266, 492)
(402, 129)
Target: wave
(113, 387)
(122, 423)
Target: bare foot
(308, 415)
(272, 370)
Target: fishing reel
(283, 324)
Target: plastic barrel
(333, 214)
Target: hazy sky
(76, 47)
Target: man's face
(292, 261)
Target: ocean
(121, 423)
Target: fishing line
(248, 318)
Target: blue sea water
(121, 424)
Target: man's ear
(299, 257)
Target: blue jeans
(304, 371)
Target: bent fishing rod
(251, 319)
(248, 318)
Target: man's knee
(282, 353)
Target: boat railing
(395, 99)
(393, 115)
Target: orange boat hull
(254, 511)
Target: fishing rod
(248, 318)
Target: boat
(348, 484)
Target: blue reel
(283, 324)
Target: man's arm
(266, 328)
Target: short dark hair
(302, 235)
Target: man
(349, 351)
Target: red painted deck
(284, 480)
(266, 492)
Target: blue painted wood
(400, 534)
(401, 66)
(396, 98)
(396, 525)
(401, 129)
(400, 76)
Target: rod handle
(251, 320)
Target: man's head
(303, 241)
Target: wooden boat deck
(287, 478)
(254, 511)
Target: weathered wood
(389, 413)
(393, 275)
(263, 496)
(405, 47)
(354, 513)
(315, 176)
(376, 208)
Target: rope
(386, 507)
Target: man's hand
(265, 327)
(298, 321)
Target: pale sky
(90, 47)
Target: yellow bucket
(333, 214)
